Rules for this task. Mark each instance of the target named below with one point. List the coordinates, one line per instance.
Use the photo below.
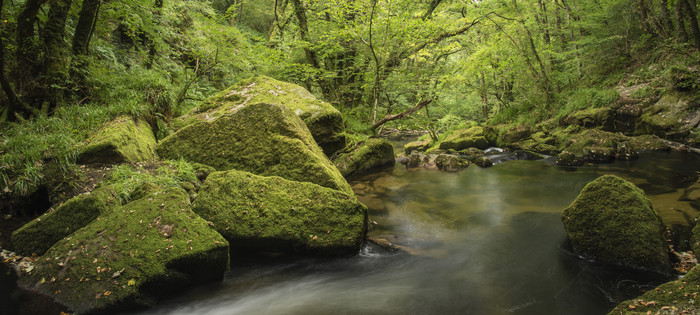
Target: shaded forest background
(67, 67)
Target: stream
(478, 241)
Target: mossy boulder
(265, 139)
(673, 297)
(672, 117)
(593, 145)
(483, 161)
(465, 138)
(613, 222)
(650, 143)
(450, 163)
(692, 194)
(130, 255)
(514, 134)
(369, 154)
(603, 118)
(323, 120)
(119, 141)
(420, 145)
(527, 155)
(37, 236)
(274, 214)
(567, 158)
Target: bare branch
(405, 114)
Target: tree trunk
(680, 23)
(644, 16)
(692, 21)
(27, 53)
(85, 27)
(405, 114)
(431, 8)
(311, 57)
(666, 19)
(152, 51)
(56, 56)
(12, 106)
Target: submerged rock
(466, 138)
(369, 154)
(130, 255)
(121, 140)
(323, 120)
(420, 145)
(275, 214)
(265, 139)
(613, 222)
(483, 161)
(37, 236)
(673, 297)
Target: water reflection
(480, 241)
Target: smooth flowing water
(479, 241)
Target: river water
(478, 241)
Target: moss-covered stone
(272, 213)
(121, 140)
(420, 145)
(667, 118)
(128, 255)
(594, 145)
(649, 143)
(674, 297)
(265, 139)
(450, 163)
(567, 158)
(613, 222)
(369, 154)
(603, 118)
(527, 155)
(323, 120)
(514, 134)
(483, 161)
(37, 236)
(465, 138)
(692, 194)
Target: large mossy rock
(369, 154)
(37, 236)
(121, 140)
(673, 297)
(323, 120)
(129, 255)
(451, 163)
(420, 145)
(274, 214)
(613, 222)
(465, 138)
(603, 118)
(265, 139)
(672, 117)
(593, 145)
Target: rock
(129, 255)
(625, 151)
(613, 222)
(603, 118)
(265, 139)
(483, 161)
(672, 117)
(450, 163)
(567, 158)
(465, 138)
(416, 146)
(673, 297)
(120, 141)
(650, 143)
(598, 146)
(692, 194)
(527, 155)
(323, 120)
(275, 214)
(369, 154)
(37, 236)
(417, 159)
(514, 134)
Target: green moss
(126, 256)
(450, 163)
(323, 120)
(265, 139)
(272, 213)
(465, 138)
(593, 118)
(371, 153)
(121, 140)
(613, 222)
(673, 297)
(420, 145)
(37, 236)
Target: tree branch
(405, 114)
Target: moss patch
(603, 118)
(613, 222)
(265, 139)
(420, 145)
(674, 297)
(121, 140)
(369, 154)
(37, 236)
(465, 138)
(126, 256)
(323, 120)
(272, 213)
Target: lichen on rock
(275, 214)
(121, 140)
(265, 139)
(323, 120)
(613, 222)
(369, 154)
(129, 255)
